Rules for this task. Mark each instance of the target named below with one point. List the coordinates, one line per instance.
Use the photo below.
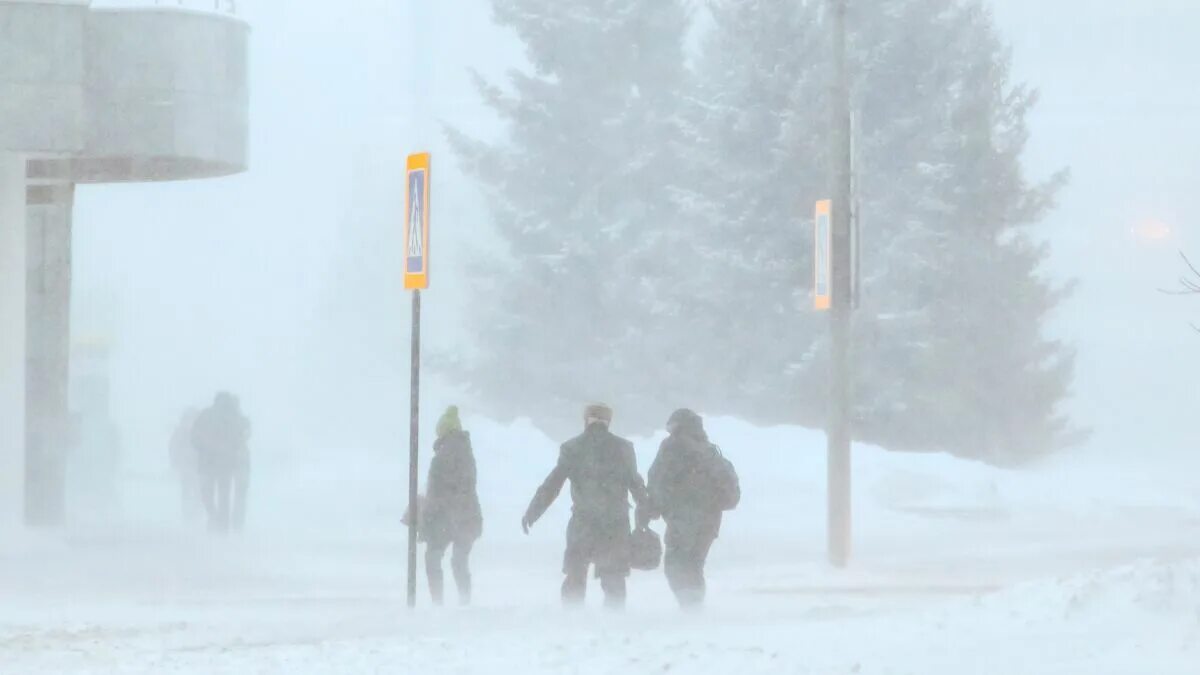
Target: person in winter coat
(450, 514)
(603, 472)
(221, 437)
(690, 485)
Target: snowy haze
(283, 285)
(1120, 108)
(233, 282)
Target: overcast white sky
(225, 283)
(1121, 106)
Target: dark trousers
(603, 542)
(460, 564)
(224, 496)
(574, 588)
(686, 553)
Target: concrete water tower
(152, 91)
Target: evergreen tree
(755, 164)
(659, 225)
(578, 196)
(962, 356)
(949, 351)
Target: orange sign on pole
(416, 230)
(822, 254)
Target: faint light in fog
(1152, 231)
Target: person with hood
(602, 469)
(220, 437)
(690, 485)
(450, 514)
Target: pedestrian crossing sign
(416, 219)
(822, 253)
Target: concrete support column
(48, 349)
(12, 338)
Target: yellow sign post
(416, 231)
(822, 256)
(416, 278)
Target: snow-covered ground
(1071, 568)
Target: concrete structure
(90, 95)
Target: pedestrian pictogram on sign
(822, 252)
(416, 240)
(416, 230)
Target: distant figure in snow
(603, 472)
(450, 515)
(221, 437)
(185, 461)
(690, 485)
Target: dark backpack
(726, 488)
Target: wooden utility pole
(840, 395)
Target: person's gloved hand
(526, 524)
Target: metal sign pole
(414, 447)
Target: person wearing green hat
(451, 515)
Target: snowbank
(782, 469)
(959, 567)
(905, 504)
